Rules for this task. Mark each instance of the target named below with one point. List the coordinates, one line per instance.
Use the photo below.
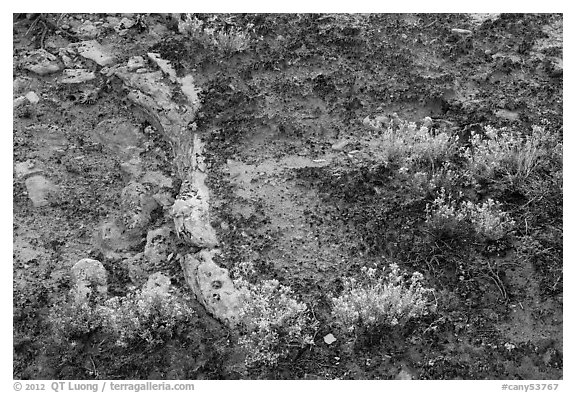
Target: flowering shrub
(152, 316)
(379, 300)
(403, 141)
(487, 219)
(146, 315)
(232, 40)
(507, 152)
(272, 322)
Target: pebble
(462, 31)
(329, 339)
(32, 97)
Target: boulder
(72, 76)
(158, 246)
(212, 286)
(157, 285)
(41, 62)
(88, 275)
(41, 191)
(92, 50)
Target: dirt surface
(295, 188)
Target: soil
(286, 197)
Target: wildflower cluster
(231, 40)
(404, 141)
(148, 315)
(378, 300)
(502, 152)
(487, 219)
(272, 322)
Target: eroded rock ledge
(153, 91)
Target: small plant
(404, 141)
(272, 322)
(507, 153)
(381, 300)
(229, 40)
(446, 217)
(145, 315)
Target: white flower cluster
(146, 315)
(487, 218)
(405, 141)
(232, 40)
(272, 321)
(381, 300)
(510, 152)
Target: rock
(461, 31)
(109, 238)
(136, 205)
(41, 62)
(124, 24)
(80, 75)
(156, 178)
(26, 169)
(135, 63)
(507, 115)
(19, 101)
(190, 91)
(121, 136)
(87, 275)
(212, 286)
(32, 97)
(157, 285)
(329, 339)
(92, 50)
(87, 30)
(192, 222)
(41, 191)
(158, 246)
(339, 146)
(404, 375)
(164, 65)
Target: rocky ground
(116, 117)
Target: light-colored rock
(339, 146)
(41, 62)
(329, 339)
(32, 97)
(87, 30)
(109, 237)
(190, 91)
(461, 31)
(87, 275)
(41, 191)
(92, 50)
(136, 205)
(158, 246)
(212, 286)
(156, 178)
(124, 24)
(26, 169)
(19, 101)
(77, 75)
(157, 285)
(164, 65)
(192, 222)
(135, 63)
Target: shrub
(145, 315)
(409, 144)
(381, 300)
(230, 40)
(507, 153)
(486, 219)
(272, 322)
